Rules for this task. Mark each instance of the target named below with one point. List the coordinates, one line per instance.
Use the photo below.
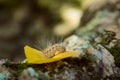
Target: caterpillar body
(53, 50)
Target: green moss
(115, 51)
(17, 68)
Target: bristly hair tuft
(47, 41)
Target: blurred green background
(25, 21)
